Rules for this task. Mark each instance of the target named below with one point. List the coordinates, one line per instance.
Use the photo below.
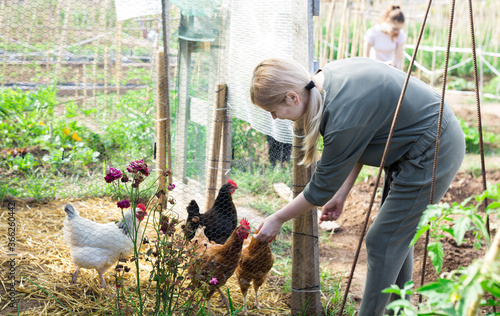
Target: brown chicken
(218, 263)
(219, 222)
(255, 263)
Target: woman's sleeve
(401, 37)
(342, 150)
(368, 37)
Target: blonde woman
(350, 103)
(385, 41)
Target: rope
(382, 163)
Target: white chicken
(98, 246)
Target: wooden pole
(5, 19)
(434, 54)
(77, 81)
(306, 299)
(305, 251)
(164, 72)
(227, 132)
(118, 65)
(161, 119)
(106, 71)
(332, 31)
(356, 30)
(327, 42)
(213, 162)
(84, 84)
(343, 26)
(62, 39)
(94, 77)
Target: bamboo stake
(355, 31)
(48, 67)
(161, 118)
(330, 17)
(30, 30)
(331, 30)
(118, 65)
(94, 77)
(433, 65)
(5, 18)
(348, 32)
(77, 82)
(84, 84)
(363, 29)
(106, 71)
(153, 61)
(343, 26)
(219, 117)
(227, 132)
(62, 39)
(165, 73)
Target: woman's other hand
(332, 209)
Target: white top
(383, 47)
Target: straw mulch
(42, 257)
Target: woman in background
(385, 41)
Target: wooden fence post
(213, 161)
(163, 119)
(306, 299)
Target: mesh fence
(132, 122)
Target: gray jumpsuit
(361, 96)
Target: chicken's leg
(75, 275)
(103, 283)
(224, 299)
(256, 297)
(245, 309)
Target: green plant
(332, 287)
(472, 145)
(461, 291)
(170, 254)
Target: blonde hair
(394, 14)
(272, 79)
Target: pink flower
(138, 166)
(171, 186)
(123, 204)
(112, 175)
(214, 281)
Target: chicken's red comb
(245, 223)
(232, 183)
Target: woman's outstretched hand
(269, 229)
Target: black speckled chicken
(219, 222)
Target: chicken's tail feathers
(193, 208)
(70, 211)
